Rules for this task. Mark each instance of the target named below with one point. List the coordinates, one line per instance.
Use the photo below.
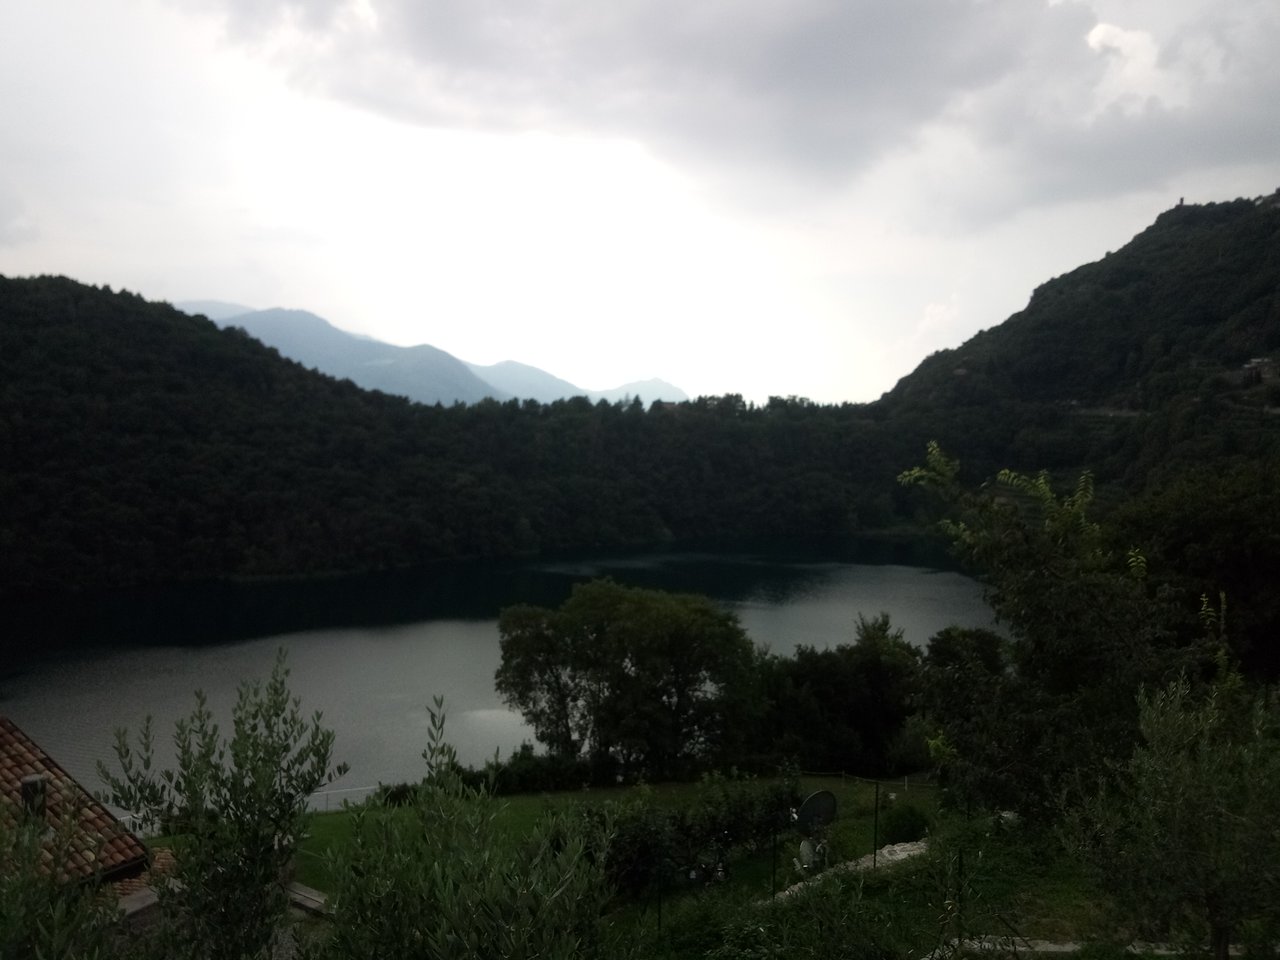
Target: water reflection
(373, 682)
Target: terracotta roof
(97, 845)
(161, 866)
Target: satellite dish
(818, 810)
(807, 856)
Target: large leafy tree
(1086, 626)
(643, 681)
(843, 708)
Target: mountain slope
(1191, 297)
(215, 310)
(1161, 353)
(141, 445)
(526, 382)
(647, 390)
(424, 373)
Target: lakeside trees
(643, 682)
(844, 708)
(141, 445)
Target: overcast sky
(765, 197)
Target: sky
(763, 197)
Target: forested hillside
(1156, 356)
(141, 445)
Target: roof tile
(100, 846)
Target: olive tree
(441, 878)
(1184, 835)
(235, 810)
(44, 914)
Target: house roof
(97, 845)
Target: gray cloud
(818, 87)
(1222, 61)
(810, 92)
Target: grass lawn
(980, 878)
(850, 837)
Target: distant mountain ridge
(424, 374)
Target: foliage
(1216, 529)
(655, 847)
(843, 708)
(828, 921)
(526, 771)
(236, 807)
(977, 706)
(903, 823)
(43, 915)
(436, 879)
(1087, 629)
(1184, 834)
(647, 683)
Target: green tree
(975, 706)
(1184, 835)
(1086, 627)
(236, 808)
(647, 682)
(843, 708)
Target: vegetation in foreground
(1106, 772)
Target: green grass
(979, 878)
(850, 836)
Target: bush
(903, 823)
(41, 914)
(528, 772)
(653, 846)
(438, 880)
(395, 794)
(833, 923)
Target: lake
(373, 682)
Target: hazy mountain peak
(215, 310)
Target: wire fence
(325, 801)
(908, 782)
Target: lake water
(373, 682)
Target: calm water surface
(373, 683)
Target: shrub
(528, 772)
(903, 823)
(241, 802)
(439, 879)
(653, 846)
